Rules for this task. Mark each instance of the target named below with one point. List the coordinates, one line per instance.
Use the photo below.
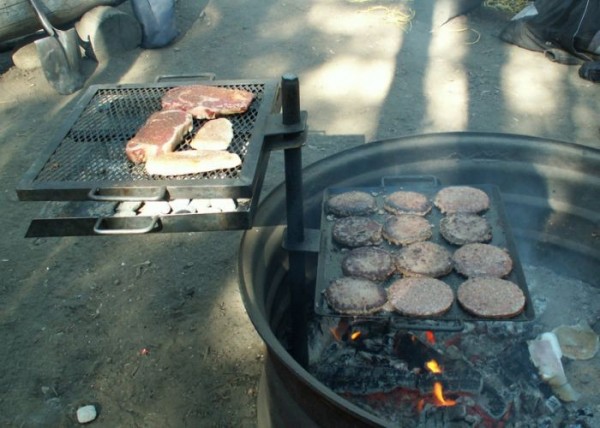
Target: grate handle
(100, 229)
(154, 194)
(172, 77)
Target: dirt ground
(151, 328)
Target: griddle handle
(99, 230)
(158, 194)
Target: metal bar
(290, 94)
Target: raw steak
(191, 162)
(161, 133)
(215, 134)
(207, 102)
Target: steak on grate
(491, 297)
(161, 133)
(215, 134)
(191, 162)
(207, 102)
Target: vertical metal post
(290, 99)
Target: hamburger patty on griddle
(473, 260)
(352, 203)
(371, 263)
(405, 202)
(424, 259)
(420, 296)
(491, 297)
(406, 229)
(355, 296)
(356, 231)
(464, 199)
(465, 228)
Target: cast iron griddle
(331, 254)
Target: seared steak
(406, 229)
(461, 199)
(355, 296)
(465, 228)
(473, 260)
(491, 297)
(405, 202)
(356, 231)
(424, 259)
(420, 296)
(215, 134)
(351, 203)
(371, 263)
(161, 133)
(207, 102)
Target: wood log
(17, 18)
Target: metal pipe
(290, 96)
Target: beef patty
(356, 231)
(355, 296)
(420, 296)
(424, 259)
(491, 297)
(351, 203)
(405, 202)
(474, 260)
(371, 263)
(406, 229)
(464, 199)
(465, 228)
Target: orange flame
(438, 394)
(355, 335)
(430, 337)
(433, 366)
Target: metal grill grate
(94, 148)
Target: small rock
(86, 414)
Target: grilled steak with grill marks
(161, 133)
(207, 102)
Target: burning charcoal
(411, 349)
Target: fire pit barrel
(550, 191)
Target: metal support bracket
(310, 244)
(280, 137)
